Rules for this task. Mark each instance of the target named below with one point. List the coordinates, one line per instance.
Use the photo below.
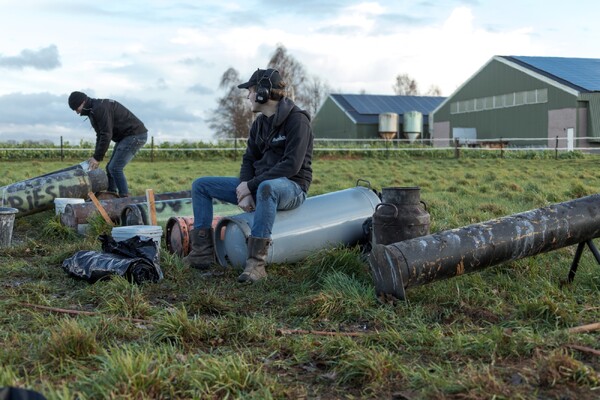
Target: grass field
(500, 333)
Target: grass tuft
(561, 368)
(341, 298)
(70, 340)
(348, 261)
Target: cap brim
(245, 85)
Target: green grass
(499, 333)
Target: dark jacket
(111, 121)
(279, 146)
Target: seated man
(275, 175)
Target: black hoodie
(111, 121)
(279, 146)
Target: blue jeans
(123, 152)
(272, 195)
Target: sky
(164, 59)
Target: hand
(247, 204)
(93, 163)
(242, 191)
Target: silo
(388, 125)
(413, 125)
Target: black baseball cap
(263, 76)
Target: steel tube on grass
(77, 214)
(37, 194)
(138, 214)
(455, 252)
(323, 221)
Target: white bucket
(61, 202)
(121, 233)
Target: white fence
(582, 144)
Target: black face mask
(87, 108)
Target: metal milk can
(400, 216)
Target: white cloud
(166, 59)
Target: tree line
(233, 116)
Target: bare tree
(405, 86)
(292, 72)
(434, 90)
(308, 92)
(316, 93)
(233, 117)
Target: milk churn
(400, 216)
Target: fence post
(556, 149)
(152, 149)
(235, 149)
(456, 148)
(62, 154)
(387, 148)
(501, 148)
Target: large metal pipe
(138, 214)
(455, 252)
(77, 214)
(323, 221)
(37, 194)
(177, 237)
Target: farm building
(359, 116)
(525, 101)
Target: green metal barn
(357, 116)
(525, 101)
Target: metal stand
(577, 257)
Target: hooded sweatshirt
(111, 121)
(279, 146)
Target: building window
(542, 96)
(520, 98)
(498, 101)
(514, 99)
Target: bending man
(111, 121)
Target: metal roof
(582, 74)
(365, 108)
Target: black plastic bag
(136, 259)
(13, 393)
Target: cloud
(46, 58)
(199, 89)
(197, 61)
(45, 116)
(34, 108)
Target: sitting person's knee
(265, 189)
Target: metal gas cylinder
(324, 221)
(400, 216)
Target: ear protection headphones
(263, 90)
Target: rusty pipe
(37, 194)
(455, 252)
(138, 214)
(77, 214)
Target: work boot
(258, 248)
(202, 255)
